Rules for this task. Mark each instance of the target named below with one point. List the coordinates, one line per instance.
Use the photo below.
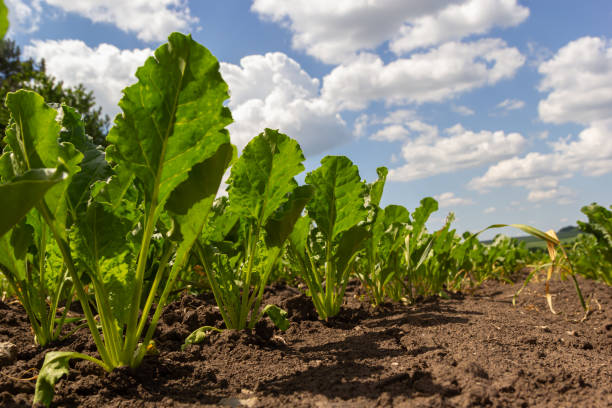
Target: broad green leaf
(54, 367)
(100, 245)
(600, 225)
(191, 202)
(278, 316)
(338, 201)
(350, 243)
(263, 175)
(13, 248)
(4, 22)
(299, 235)
(23, 193)
(33, 131)
(93, 167)
(281, 224)
(170, 118)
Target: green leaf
(4, 22)
(33, 131)
(23, 193)
(262, 177)
(351, 242)
(278, 316)
(281, 225)
(338, 202)
(100, 245)
(199, 335)
(376, 188)
(93, 167)
(54, 367)
(421, 215)
(168, 116)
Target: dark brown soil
(472, 350)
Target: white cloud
(579, 78)
(432, 76)
(24, 17)
(458, 21)
(511, 104)
(272, 90)
(579, 81)
(335, 31)
(450, 200)
(151, 20)
(105, 70)
(429, 154)
(489, 210)
(462, 110)
(392, 133)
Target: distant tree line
(17, 73)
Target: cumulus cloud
(457, 21)
(449, 199)
(579, 81)
(511, 104)
(489, 210)
(151, 20)
(431, 76)
(272, 90)
(426, 153)
(462, 110)
(105, 69)
(24, 16)
(335, 31)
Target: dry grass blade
(552, 252)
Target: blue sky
(501, 109)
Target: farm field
(469, 350)
(168, 266)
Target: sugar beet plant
(168, 153)
(245, 239)
(326, 242)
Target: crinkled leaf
(23, 193)
(170, 118)
(278, 316)
(93, 167)
(338, 202)
(263, 175)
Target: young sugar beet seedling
(169, 151)
(325, 242)
(244, 242)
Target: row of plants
(117, 229)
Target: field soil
(472, 349)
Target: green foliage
(325, 252)
(169, 152)
(246, 236)
(592, 252)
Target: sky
(499, 109)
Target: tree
(16, 73)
